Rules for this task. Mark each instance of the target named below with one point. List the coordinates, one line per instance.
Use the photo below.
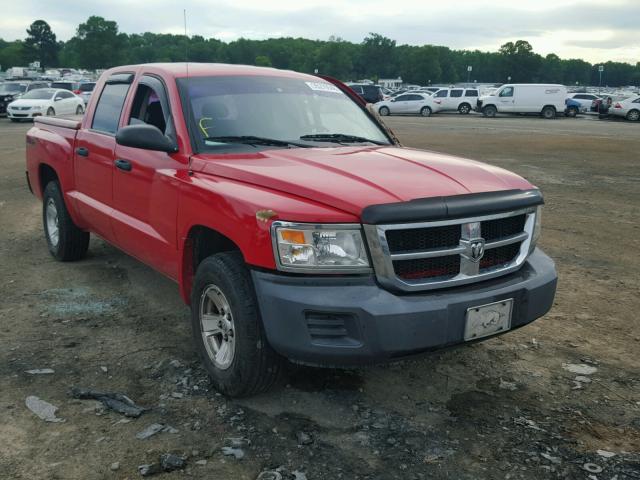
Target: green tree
(41, 44)
(520, 63)
(263, 61)
(99, 44)
(377, 56)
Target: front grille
(437, 267)
(502, 227)
(428, 255)
(423, 238)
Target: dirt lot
(504, 408)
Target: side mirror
(393, 99)
(57, 99)
(146, 137)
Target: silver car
(628, 108)
(406, 103)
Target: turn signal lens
(293, 236)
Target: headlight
(537, 229)
(310, 248)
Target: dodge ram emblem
(476, 249)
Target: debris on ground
(269, 475)
(115, 466)
(40, 371)
(115, 401)
(44, 410)
(235, 452)
(154, 428)
(504, 385)
(605, 453)
(579, 368)
(168, 462)
(592, 468)
(304, 438)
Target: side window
(402, 98)
(637, 100)
(109, 107)
(471, 93)
(357, 89)
(147, 108)
(442, 93)
(65, 94)
(456, 93)
(507, 92)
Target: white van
(544, 99)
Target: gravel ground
(557, 399)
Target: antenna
(188, 99)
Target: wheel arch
(200, 242)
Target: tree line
(98, 43)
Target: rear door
(145, 189)
(455, 99)
(93, 160)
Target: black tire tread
(73, 242)
(267, 366)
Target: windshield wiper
(253, 140)
(340, 138)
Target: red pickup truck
(294, 223)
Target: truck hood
(352, 178)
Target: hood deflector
(455, 206)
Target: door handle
(82, 151)
(123, 165)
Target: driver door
(506, 100)
(145, 189)
(401, 105)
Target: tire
(79, 110)
(572, 112)
(384, 111)
(464, 109)
(425, 111)
(65, 240)
(633, 115)
(50, 112)
(548, 113)
(223, 289)
(489, 111)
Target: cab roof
(192, 69)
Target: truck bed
(71, 121)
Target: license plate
(485, 320)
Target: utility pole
(469, 70)
(600, 70)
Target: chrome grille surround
(469, 270)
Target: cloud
(569, 28)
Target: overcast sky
(589, 29)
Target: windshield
(39, 94)
(62, 85)
(86, 87)
(12, 88)
(273, 107)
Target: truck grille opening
(428, 255)
(423, 238)
(437, 267)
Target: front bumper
(350, 321)
(23, 114)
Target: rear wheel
(79, 110)
(227, 328)
(572, 112)
(50, 112)
(65, 240)
(489, 111)
(548, 113)
(425, 111)
(464, 109)
(633, 115)
(384, 111)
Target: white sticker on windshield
(323, 87)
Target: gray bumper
(347, 321)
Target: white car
(628, 108)
(406, 103)
(45, 101)
(462, 100)
(584, 99)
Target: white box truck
(525, 98)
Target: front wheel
(227, 328)
(79, 110)
(65, 240)
(425, 112)
(384, 111)
(489, 111)
(50, 112)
